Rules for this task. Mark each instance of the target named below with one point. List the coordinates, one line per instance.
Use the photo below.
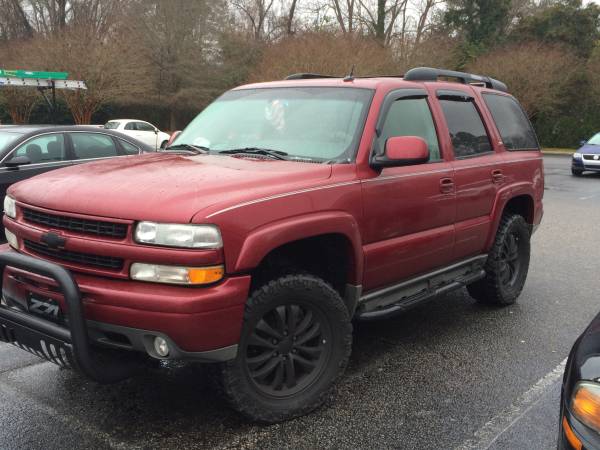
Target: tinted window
(142, 126)
(129, 149)
(130, 126)
(90, 145)
(466, 128)
(46, 148)
(412, 117)
(513, 125)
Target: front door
(45, 152)
(409, 211)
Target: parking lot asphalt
(449, 374)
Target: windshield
(6, 138)
(316, 123)
(111, 125)
(595, 140)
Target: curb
(558, 152)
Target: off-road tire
(496, 288)
(293, 295)
(577, 172)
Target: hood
(164, 187)
(589, 149)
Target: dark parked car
(580, 399)
(28, 150)
(587, 157)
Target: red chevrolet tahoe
(282, 213)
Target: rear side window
(467, 132)
(412, 117)
(141, 126)
(111, 125)
(129, 149)
(90, 145)
(512, 123)
(130, 126)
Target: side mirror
(582, 143)
(402, 151)
(17, 161)
(156, 131)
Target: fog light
(11, 239)
(161, 346)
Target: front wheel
(296, 341)
(577, 172)
(507, 264)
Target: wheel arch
(318, 232)
(518, 199)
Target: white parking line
(492, 430)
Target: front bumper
(589, 439)
(581, 164)
(201, 324)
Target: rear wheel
(577, 172)
(296, 341)
(507, 264)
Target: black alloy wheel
(288, 349)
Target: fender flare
(268, 237)
(505, 195)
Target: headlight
(585, 403)
(176, 274)
(10, 207)
(175, 235)
(576, 155)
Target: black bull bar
(67, 347)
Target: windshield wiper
(198, 149)
(276, 154)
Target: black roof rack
(431, 74)
(308, 76)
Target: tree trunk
(380, 25)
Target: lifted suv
(281, 213)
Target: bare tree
(79, 52)
(345, 14)
(256, 13)
(380, 18)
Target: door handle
(446, 185)
(497, 176)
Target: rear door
(147, 134)
(87, 146)
(408, 211)
(46, 152)
(478, 170)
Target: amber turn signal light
(573, 440)
(585, 403)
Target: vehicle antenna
(350, 76)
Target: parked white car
(140, 130)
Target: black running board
(395, 299)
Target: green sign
(32, 74)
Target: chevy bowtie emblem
(53, 240)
